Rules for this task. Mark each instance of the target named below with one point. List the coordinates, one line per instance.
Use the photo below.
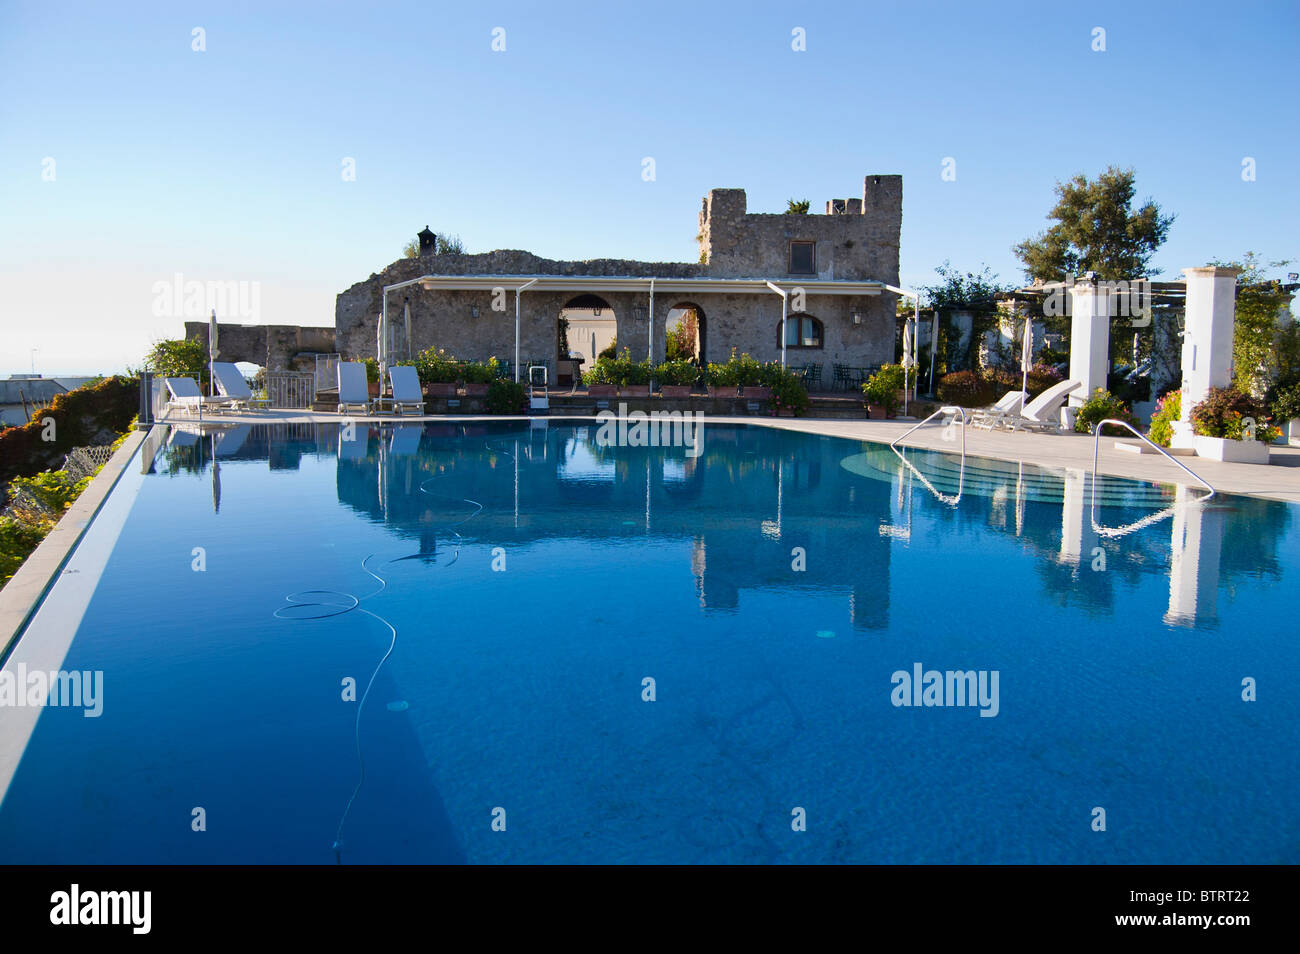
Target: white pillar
(1207, 339)
(1089, 339)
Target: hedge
(90, 415)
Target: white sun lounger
(1043, 413)
(232, 384)
(406, 389)
(186, 396)
(991, 416)
(353, 391)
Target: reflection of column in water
(1194, 568)
(1020, 499)
(1073, 502)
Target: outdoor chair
(990, 417)
(406, 389)
(1043, 412)
(186, 396)
(231, 383)
(354, 392)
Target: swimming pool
(509, 642)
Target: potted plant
(1232, 426)
(477, 378)
(789, 396)
(372, 376)
(438, 372)
(1168, 410)
(1286, 407)
(881, 393)
(675, 378)
(721, 379)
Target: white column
(1089, 339)
(1207, 339)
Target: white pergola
(679, 287)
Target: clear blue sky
(225, 164)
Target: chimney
(428, 242)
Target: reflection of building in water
(739, 510)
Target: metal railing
(293, 389)
(1150, 518)
(327, 372)
(961, 474)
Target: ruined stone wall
(270, 346)
(856, 240)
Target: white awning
(679, 286)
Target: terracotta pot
(476, 390)
(676, 391)
(875, 413)
(440, 390)
(372, 388)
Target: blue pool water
(519, 582)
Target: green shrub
(1233, 415)
(1168, 409)
(620, 370)
(1049, 356)
(1100, 406)
(1286, 403)
(611, 353)
(472, 372)
(506, 397)
(52, 491)
(739, 370)
(965, 389)
(179, 358)
(788, 392)
(677, 371)
(1040, 378)
(881, 390)
(372, 370)
(721, 375)
(17, 540)
(93, 414)
(436, 366)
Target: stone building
(834, 274)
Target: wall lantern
(473, 311)
(857, 318)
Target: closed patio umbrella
(1026, 356)
(213, 353)
(216, 477)
(934, 345)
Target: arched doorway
(586, 326)
(684, 333)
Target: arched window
(801, 331)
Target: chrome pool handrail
(961, 474)
(1149, 519)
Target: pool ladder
(951, 501)
(1150, 518)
